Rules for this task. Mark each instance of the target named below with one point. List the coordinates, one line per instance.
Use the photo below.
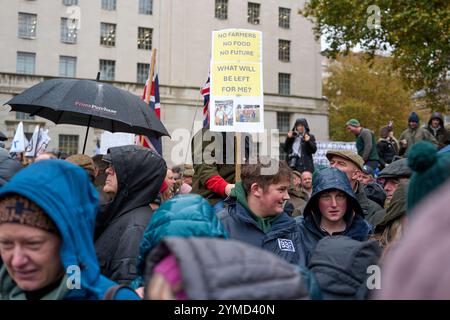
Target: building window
(27, 25)
(253, 13)
(67, 66)
(26, 62)
(107, 70)
(108, 34)
(221, 9)
(283, 124)
(145, 38)
(109, 5)
(284, 50)
(146, 6)
(68, 144)
(284, 83)
(284, 17)
(70, 2)
(68, 30)
(23, 116)
(143, 70)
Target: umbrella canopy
(89, 103)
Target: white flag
(43, 141)
(30, 150)
(19, 142)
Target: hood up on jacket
(140, 174)
(218, 269)
(303, 122)
(340, 266)
(66, 195)
(436, 115)
(182, 216)
(332, 179)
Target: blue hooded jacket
(356, 227)
(64, 192)
(182, 216)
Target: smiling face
(31, 255)
(332, 205)
(269, 202)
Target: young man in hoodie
(254, 213)
(436, 128)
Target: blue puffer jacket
(64, 192)
(283, 238)
(182, 216)
(357, 228)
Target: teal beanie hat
(430, 170)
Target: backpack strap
(112, 291)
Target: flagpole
(150, 77)
(149, 84)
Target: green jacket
(366, 145)
(412, 136)
(205, 169)
(368, 206)
(10, 291)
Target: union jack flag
(205, 93)
(155, 105)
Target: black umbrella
(89, 103)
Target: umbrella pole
(87, 132)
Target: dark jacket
(8, 166)
(387, 150)
(220, 147)
(356, 227)
(282, 238)
(441, 134)
(217, 269)
(369, 207)
(307, 148)
(340, 265)
(121, 224)
(66, 195)
(182, 216)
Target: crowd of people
(124, 226)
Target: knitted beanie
(430, 170)
(169, 269)
(17, 209)
(413, 117)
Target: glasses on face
(340, 197)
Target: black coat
(121, 223)
(308, 148)
(387, 150)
